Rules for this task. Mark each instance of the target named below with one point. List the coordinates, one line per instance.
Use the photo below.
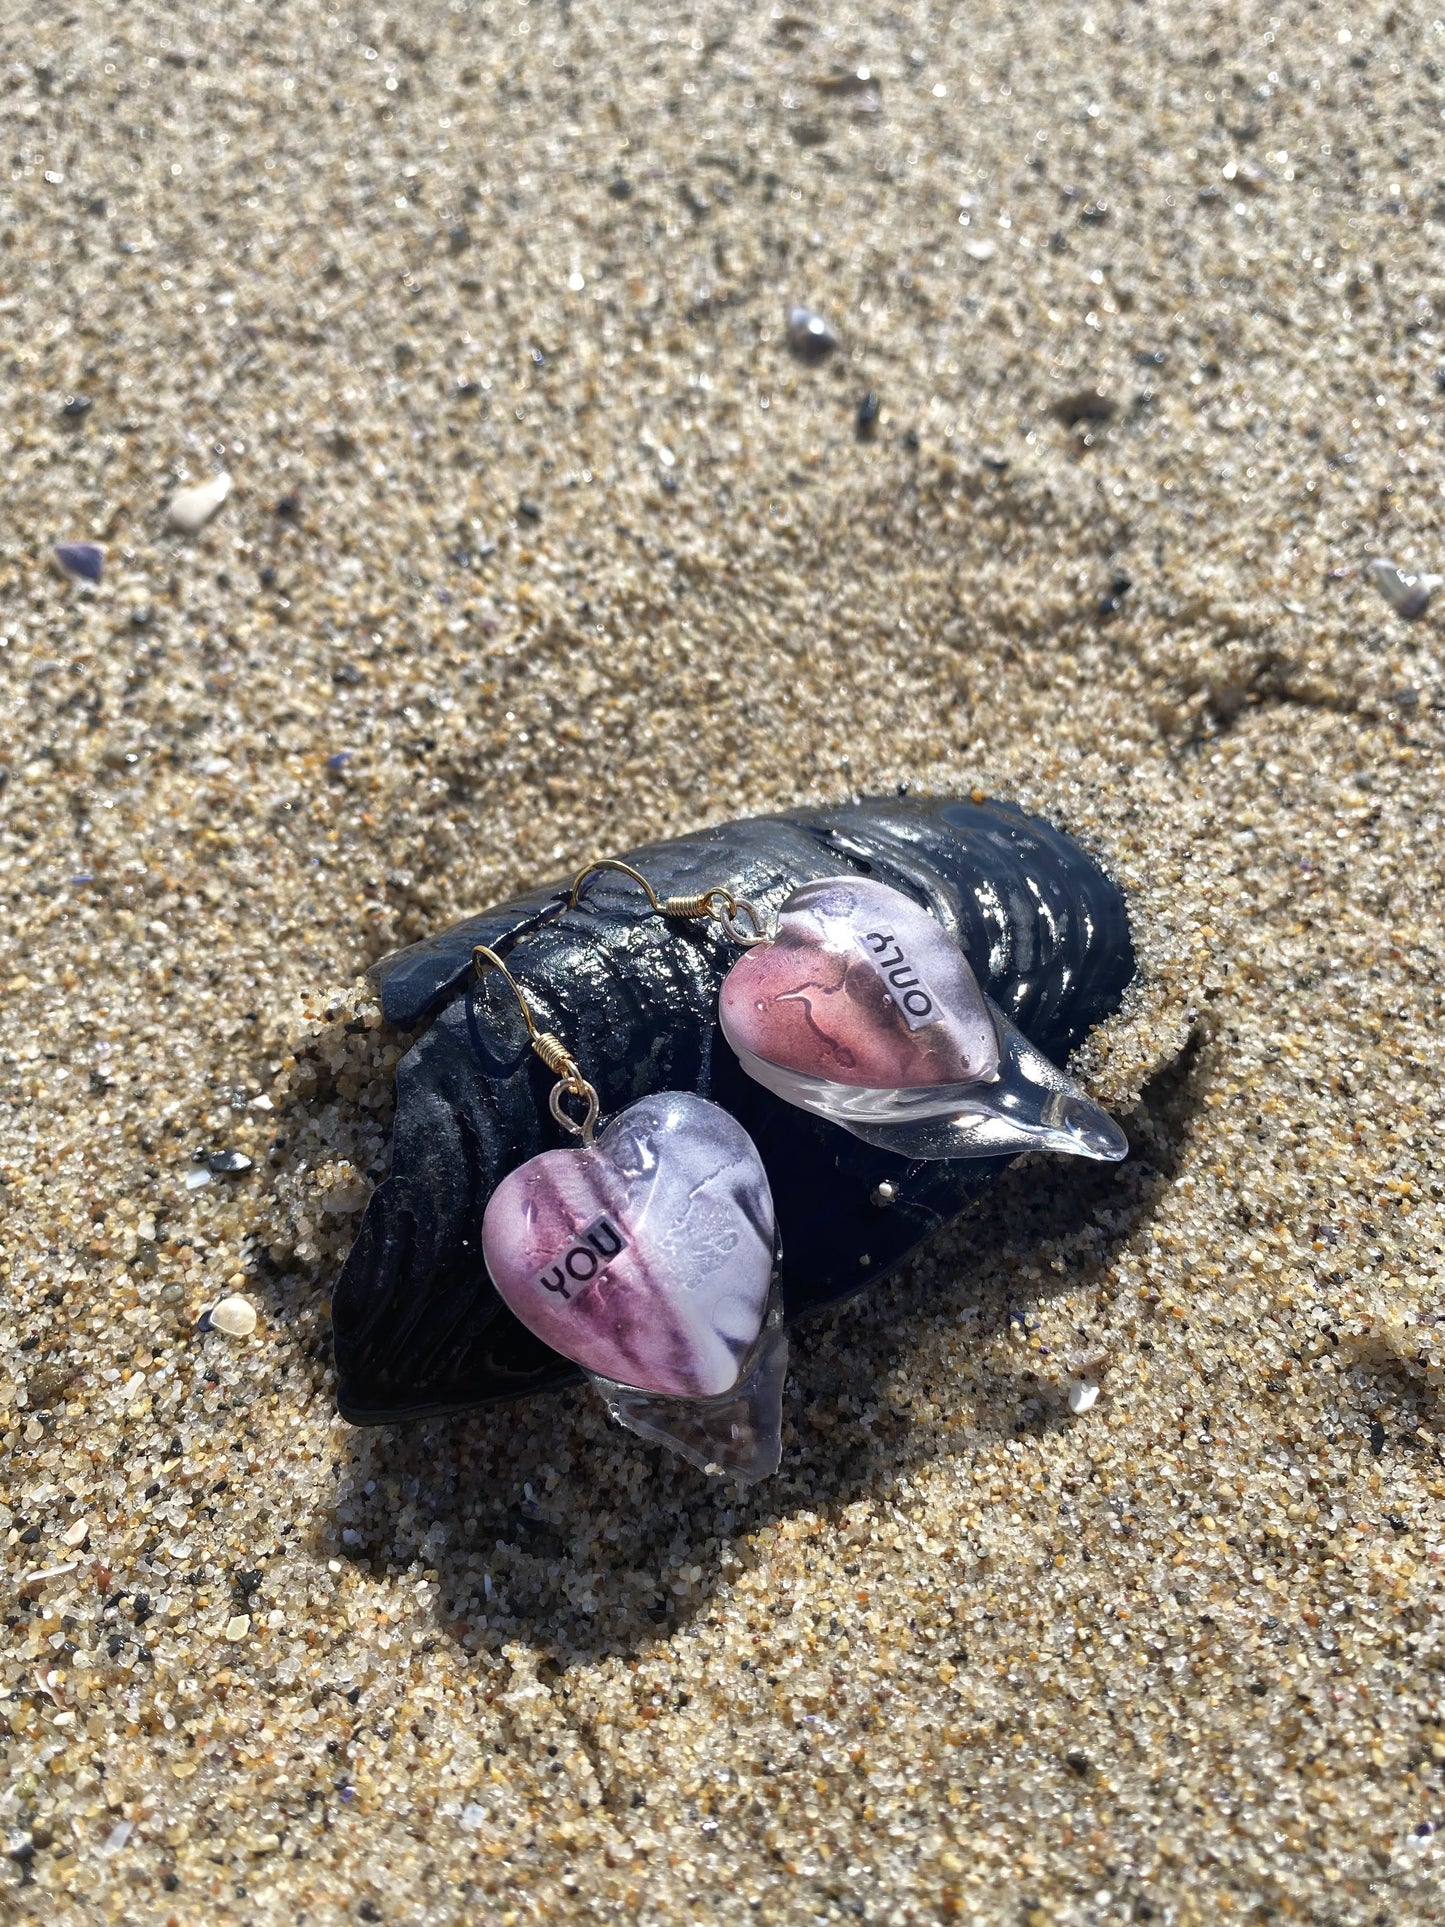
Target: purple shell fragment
(85, 560)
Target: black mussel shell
(418, 1326)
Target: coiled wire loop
(571, 1084)
(738, 918)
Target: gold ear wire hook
(717, 903)
(552, 1051)
(626, 869)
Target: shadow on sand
(544, 1524)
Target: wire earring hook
(625, 869)
(719, 904)
(553, 1053)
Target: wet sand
(540, 544)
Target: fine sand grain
(540, 542)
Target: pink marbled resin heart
(860, 987)
(647, 1257)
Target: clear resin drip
(739, 1434)
(1028, 1105)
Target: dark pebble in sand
(1085, 405)
(76, 407)
(1119, 587)
(224, 1163)
(529, 509)
(867, 417)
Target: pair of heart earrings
(647, 1254)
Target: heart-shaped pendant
(646, 1257)
(860, 986)
(863, 1009)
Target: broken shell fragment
(1408, 594)
(85, 560)
(809, 336)
(191, 508)
(228, 1163)
(235, 1316)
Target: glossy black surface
(418, 1326)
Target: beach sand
(541, 543)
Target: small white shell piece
(1407, 593)
(191, 508)
(235, 1316)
